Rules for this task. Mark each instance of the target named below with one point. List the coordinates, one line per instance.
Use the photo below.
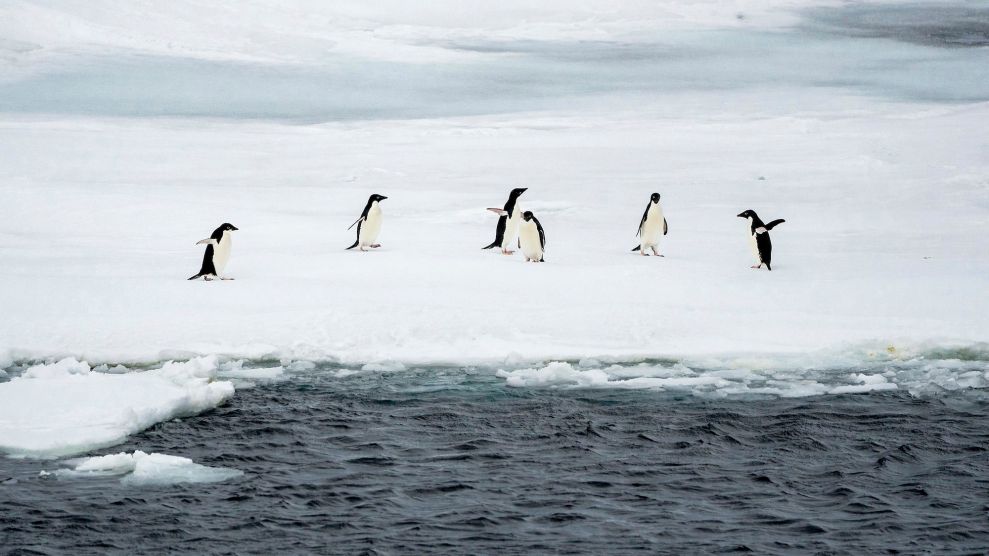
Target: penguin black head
(748, 214)
(228, 227)
(376, 197)
(654, 197)
(517, 191)
(527, 215)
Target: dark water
(453, 461)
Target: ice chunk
(141, 468)
(65, 408)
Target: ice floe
(139, 468)
(65, 407)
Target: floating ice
(141, 468)
(67, 408)
(773, 376)
(250, 377)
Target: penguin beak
(232, 227)
(742, 215)
(383, 197)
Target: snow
(885, 239)
(139, 468)
(66, 408)
(130, 130)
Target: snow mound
(919, 376)
(141, 468)
(66, 408)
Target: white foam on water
(140, 468)
(66, 408)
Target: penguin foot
(756, 266)
(643, 253)
(507, 252)
(226, 278)
(208, 278)
(375, 245)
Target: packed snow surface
(66, 407)
(130, 130)
(139, 468)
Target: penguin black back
(759, 232)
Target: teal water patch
(508, 76)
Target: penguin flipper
(542, 234)
(207, 241)
(358, 239)
(774, 223)
(666, 227)
(498, 211)
(355, 222)
(645, 216)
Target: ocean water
(454, 460)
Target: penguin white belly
(532, 248)
(652, 229)
(371, 227)
(221, 253)
(755, 248)
(510, 238)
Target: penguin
(217, 253)
(532, 238)
(759, 240)
(508, 224)
(369, 224)
(651, 227)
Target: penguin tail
(493, 244)
(354, 245)
(196, 276)
(636, 248)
